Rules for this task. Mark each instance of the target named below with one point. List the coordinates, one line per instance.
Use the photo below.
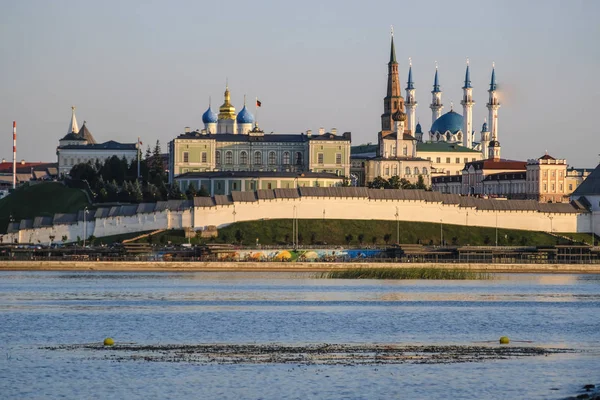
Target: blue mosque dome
(245, 117)
(484, 128)
(451, 121)
(418, 128)
(209, 116)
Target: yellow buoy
(109, 341)
(504, 340)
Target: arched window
(272, 158)
(416, 170)
(405, 151)
(257, 158)
(218, 157)
(387, 171)
(424, 170)
(299, 158)
(243, 158)
(229, 158)
(395, 170)
(286, 157)
(407, 171)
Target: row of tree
(116, 180)
(395, 182)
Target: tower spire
(436, 97)
(493, 105)
(411, 102)
(493, 80)
(393, 49)
(393, 100)
(467, 103)
(73, 128)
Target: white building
(79, 146)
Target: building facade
(235, 143)
(80, 146)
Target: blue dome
(245, 117)
(418, 128)
(450, 121)
(484, 128)
(209, 117)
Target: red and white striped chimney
(14, 154)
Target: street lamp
(85, 211)
(397, 226)
(496, 228)
(441, 232)
(234, 213)
(551, 218)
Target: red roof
(490, 163)
(546, 157)
(7, 167)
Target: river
(39, 310)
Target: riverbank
(199, 266)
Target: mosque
(403, 149)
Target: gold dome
(227, 111)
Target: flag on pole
(258, 103)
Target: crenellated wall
(222, 211)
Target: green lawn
(42, 199)
(333, 232)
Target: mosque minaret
(467, 103)
(436, 100)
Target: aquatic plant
(405, 273)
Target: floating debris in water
(314, 354)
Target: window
(243, 158)
(424, 170)
(428, 158)
(272, 158)
(407, 171)
(561, 174)
(229, 158)
(393, 151)
(269, 186)
(553, 188)
(473, 159)
(286, 157)
(203, 156)
(234, 186)
(438, 160)
(416, 170)
(447, 160)
(257, 158)
(458, 160)
(466, 160)
(338, 158)
(545, 188)
(553, 174)
(560, 187)
(186, 157)
(395, 170)
(218, 158)
(570, 186)
(319, 158)
(299, 158)
(387, 171)
(545, 174)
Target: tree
(420, 183)
(374, 240)
(361, 238)
(405, 184)
(191, 191)
(64, 238)
(225, 237)
(387, 237)
(156, 168)
(85, 172)
(393, 182)
(313, 238)
(203, 192)
(239, 236)
(175, 193)
(300, 238)
(349, 237)
(136, 193)
(378, 183)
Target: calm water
(54, 308)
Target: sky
(148, 68)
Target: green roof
(363, 148)
(443, 146)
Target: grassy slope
(333, 232)
(43, 199)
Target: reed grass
(406, 273)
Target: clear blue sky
(147, 68)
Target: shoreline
(206, 266)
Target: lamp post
(234, 213)
(496, 228)
(441, 232)
(397, 226)
(85, 211)
(551, 218)
(323, 225)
